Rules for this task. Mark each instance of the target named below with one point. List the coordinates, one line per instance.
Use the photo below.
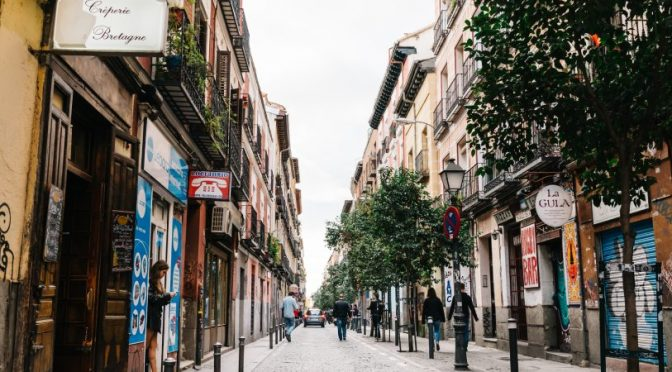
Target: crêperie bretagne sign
(110, 27)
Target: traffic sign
(451, 222)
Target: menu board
(123, 228)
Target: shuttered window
(224, 72)
(645, 291)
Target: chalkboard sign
(52, 240)
(123, 228)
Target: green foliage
(606, 103)
(182, 41)
(275, 249)
(214, 123)
(395, 236)
(338, 281)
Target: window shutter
(223, 72)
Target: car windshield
(314, 312)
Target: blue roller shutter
(645, 288)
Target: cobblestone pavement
(317, 349)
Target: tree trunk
(632, 341)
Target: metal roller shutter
(645, 284)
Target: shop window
(217, 279)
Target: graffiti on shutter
(645, 291)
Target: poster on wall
(570, 250)
(123, 228)
(164, 163)
(175, 283)
(140, 271)
(528, 238)
(52, 240)
(448, 285)
(210, 185)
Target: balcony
(181, 77)
(235, 163)
(249, 121)
(545, 156)
(287, 268)
(470, 69)
(241, 45)
(441, 125)
(241, 189)
(454, 99)
(261, 237)
(256, 148)
(250, 233)
(443, 24)
(231, 10)
(498, 183)
(422, 164)
(474, 200)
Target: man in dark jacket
(433, 307)
(467, 310)
(341, 313)
(377, 309)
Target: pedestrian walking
(289, 305)
(434, 308)
(158, 298)
(354, 314)
(467, 309)
(342, 315)
(376, 307)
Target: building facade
(102, 153)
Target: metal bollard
(270, 338)
(241, 354)
(282, 332)
(430, 336)
(169, 364)
(277, 330)
(513, 344)
(218, 356)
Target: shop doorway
(516, 280)
(560, 302)
(489, 314)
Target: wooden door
(112, 350)
(517, 288)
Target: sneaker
(289, 338)
(438, 347)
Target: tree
(590, 76)
(338, 281)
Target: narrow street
(318, 349)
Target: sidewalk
(255, 353)
(479, 358)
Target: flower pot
(173, 63)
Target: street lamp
(452, 177)
(408, 121)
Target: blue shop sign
(164, 163)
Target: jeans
(437, 331)
(342, 328)
(289, 325)
(376, 326)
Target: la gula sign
(112, 27)
(554, 205)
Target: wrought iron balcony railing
(454, 97)
(241, 45)
(250, 223)
(440, 30)
(249, 121)
(231, 10)
(422, 163)
(470, 69)
(261, 237)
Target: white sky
(324, 61)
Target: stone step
(558, 356)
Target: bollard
(282, 332)
(277, 331)
(270, 338)
(430, 336)
(218, 356)
(169, 365)
(241, 354)
(513, 344)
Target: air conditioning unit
(220, 222)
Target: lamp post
(451, 177)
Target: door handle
(89, 299)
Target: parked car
(313, 317)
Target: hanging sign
(528, 239)
(164, 163)
(503, 216)
(175, 283)
(110, 27)
(451, 223)
(554, 205)
(140, 272)
(210, 185)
